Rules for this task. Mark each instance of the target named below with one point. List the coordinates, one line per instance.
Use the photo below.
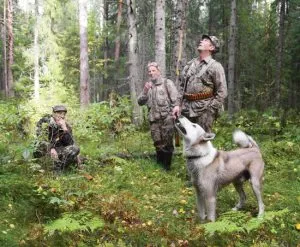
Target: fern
(80, 221)
(239, 222)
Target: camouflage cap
(58, 108)
(214, 40)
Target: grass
(131, 201)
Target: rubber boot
(167, 160)
(159, 157)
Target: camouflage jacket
(57, 137)
(213, 79)
(160, 99)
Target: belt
(198, 96)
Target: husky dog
(210, 169)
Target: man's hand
(53, 153)
(62, 123)
(176, 112)
(147, 86)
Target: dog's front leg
(200, 203)
(211, 205)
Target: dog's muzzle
(179, 126)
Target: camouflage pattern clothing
(202, 77)
(62, 141)
(161, 99)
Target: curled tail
(243, 140)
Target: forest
(92, 56)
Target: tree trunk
(231, 59)
(4, 52)
(160, 40)
(36, 53)
(84, 65)
(281, 6)
(10, 36)
(133, 62)
(180, 38)
(118, 42)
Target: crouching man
(60, 145)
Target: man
(60, 145)
(161, 96)
(203, 85)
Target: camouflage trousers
(66, 156)
(205, 120)
(162, 132)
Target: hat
(58, 108)
(214, 40)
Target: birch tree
(231, 58)
(160, 40)
(36, 53)
(133, 62)
(84, 65)
(179, 55)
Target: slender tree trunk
(84, 65)
(10, 48)
(231, 59)
(100, 90)
(180, 38)
(281, 5)
(160, 32)
(36, 53)
(133, 61)
(118, 41)
(4, 52)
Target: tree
(160, 32)
(84, 62)
(133, 62)
(36, 53)
(179, 55)
(282, 13)
(231, 58)
(10, 46)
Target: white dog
(210, 169)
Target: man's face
(59, 115)
(153, 72)
(206, 45)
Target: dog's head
(192, 133)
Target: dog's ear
(208, 136)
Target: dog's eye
(194, 125)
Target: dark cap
(58, 108)
(214, 40)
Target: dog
(210, 169)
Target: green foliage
(77, 221)
(124, 198)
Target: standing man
(161, 96)
(203, 85)
(60, 144)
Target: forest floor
(128, 200)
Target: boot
(167, 160)
(159, 157)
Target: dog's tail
(243, 140)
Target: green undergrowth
(123, 198)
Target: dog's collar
(193, 157)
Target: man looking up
(203, 85)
